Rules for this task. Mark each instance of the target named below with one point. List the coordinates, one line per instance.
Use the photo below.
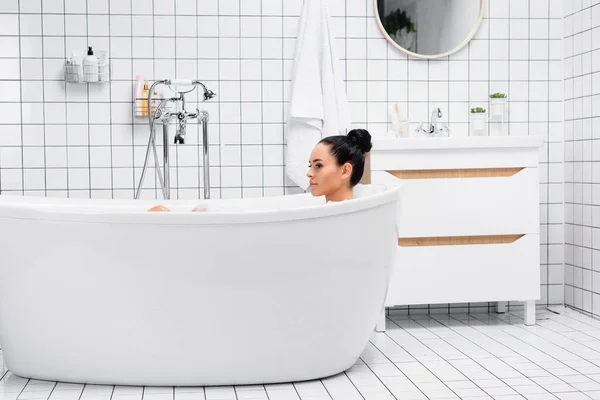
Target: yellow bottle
(145, 92)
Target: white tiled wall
(63, 139)
(582, 155)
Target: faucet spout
(435, 114)
(180, 134)
(431, 128)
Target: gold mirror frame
(454, 50)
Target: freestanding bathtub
(266, 290)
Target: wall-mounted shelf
(140, 106)
(77, 73)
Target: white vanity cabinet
(469, 220)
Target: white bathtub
(271, 290)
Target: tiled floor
(477, 356)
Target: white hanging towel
(317, 106)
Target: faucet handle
(425, 129)
(202, 115)
(443, 130)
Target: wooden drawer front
(449, 206)
(466, 273)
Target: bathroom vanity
(469, 221)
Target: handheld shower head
(209, 94)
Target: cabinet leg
(530, 312)
(501, 307)
(381, 322)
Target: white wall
(59, 139)
(582, 155)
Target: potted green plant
(400, 28)
(478, 117)
(498, 105)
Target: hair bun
(362, 138)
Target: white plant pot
(497, 107)
(497, 129)
(478, 121)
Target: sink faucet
(435, 114)
(431, 128)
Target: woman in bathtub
(337, 164)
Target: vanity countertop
(468, 142)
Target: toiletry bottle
(103, 67)
(77, 67)
(145, 92)
(137, 95)
(90, 67)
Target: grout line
(111, 131)
(592, 201)
(284, 147)
(266, 15)
(325, 388)
(174, 165)
(262, 98)
(548, 301)
(353, 384)
(239, 39)
(219, 59)
(133, 78)
(20, 102)
(200, 146)
(89, 110)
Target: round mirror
(429, 28)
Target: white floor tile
(419, 357)
(594, 395)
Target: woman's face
(326, 176)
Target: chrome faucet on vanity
(432, 128)
(164, 115)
